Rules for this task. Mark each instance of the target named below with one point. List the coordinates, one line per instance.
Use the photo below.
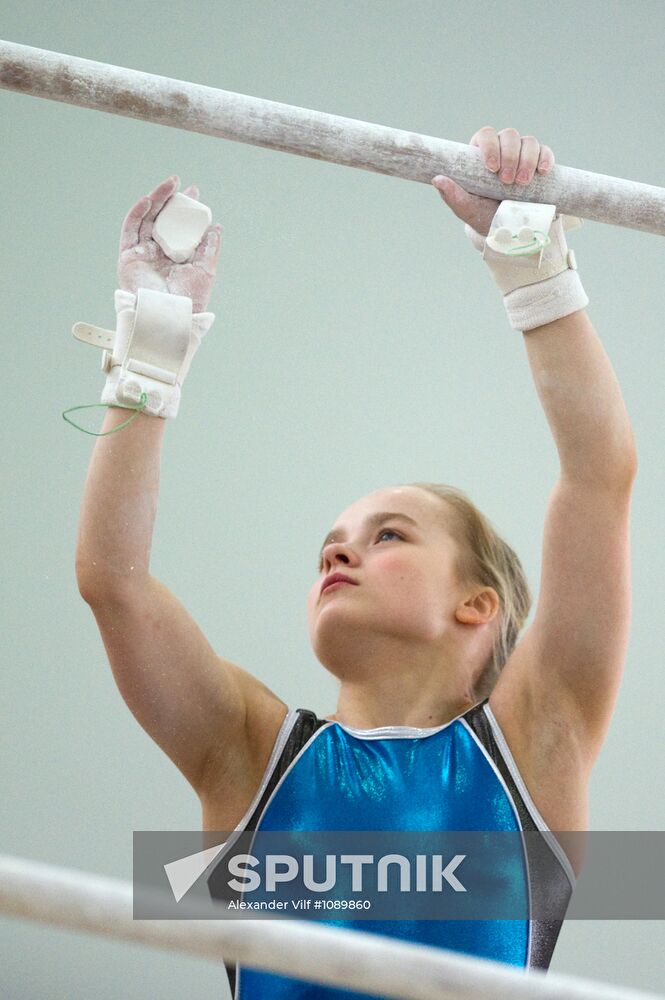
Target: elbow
(619, 469)
(102, 586)
(628, 473)
(93, 585)
(620, 478)
(610, 475)
(633, 469)
(83, 578)
(623, 477)
(88, 588)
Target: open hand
(143, 264)
(515, 158)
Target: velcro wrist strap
(151, 344)
(153, 339)
(150, 350)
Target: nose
(338, 552)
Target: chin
(336, 671)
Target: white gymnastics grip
(180, 225)
(150, 350)
(532, 266)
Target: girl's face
(403, 568)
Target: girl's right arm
(214, 720)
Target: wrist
(538, 286)
(156, 338)
(543, 303)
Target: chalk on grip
(180, 225)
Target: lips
(336, 578)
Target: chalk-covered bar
(347, 141)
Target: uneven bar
(369, 962)
(347, 141)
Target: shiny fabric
(380, 780)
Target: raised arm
(555, 695)
(574, 650)
(214, 720)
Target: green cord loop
(530, 248)
(143, 403)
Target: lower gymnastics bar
(348, 958)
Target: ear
(479, 608)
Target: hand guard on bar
(527, 253)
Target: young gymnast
(447, 718)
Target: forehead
(423, 507)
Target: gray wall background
(334, 285)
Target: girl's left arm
(583, 404)
(559, 685)
(572, 655)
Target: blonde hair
(486, 559)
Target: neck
(404, 680)
(412, 692)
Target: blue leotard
(323, 775)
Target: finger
(207, 251)
(477, 211)
(511, 144)
(546, 160)
(487, 141)
(158, 198)
(164, 190)
(528, 161)
(129, 234)
(444, 185)
(446, 188)
(192, 192)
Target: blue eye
(387, 531)
(384, 531)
